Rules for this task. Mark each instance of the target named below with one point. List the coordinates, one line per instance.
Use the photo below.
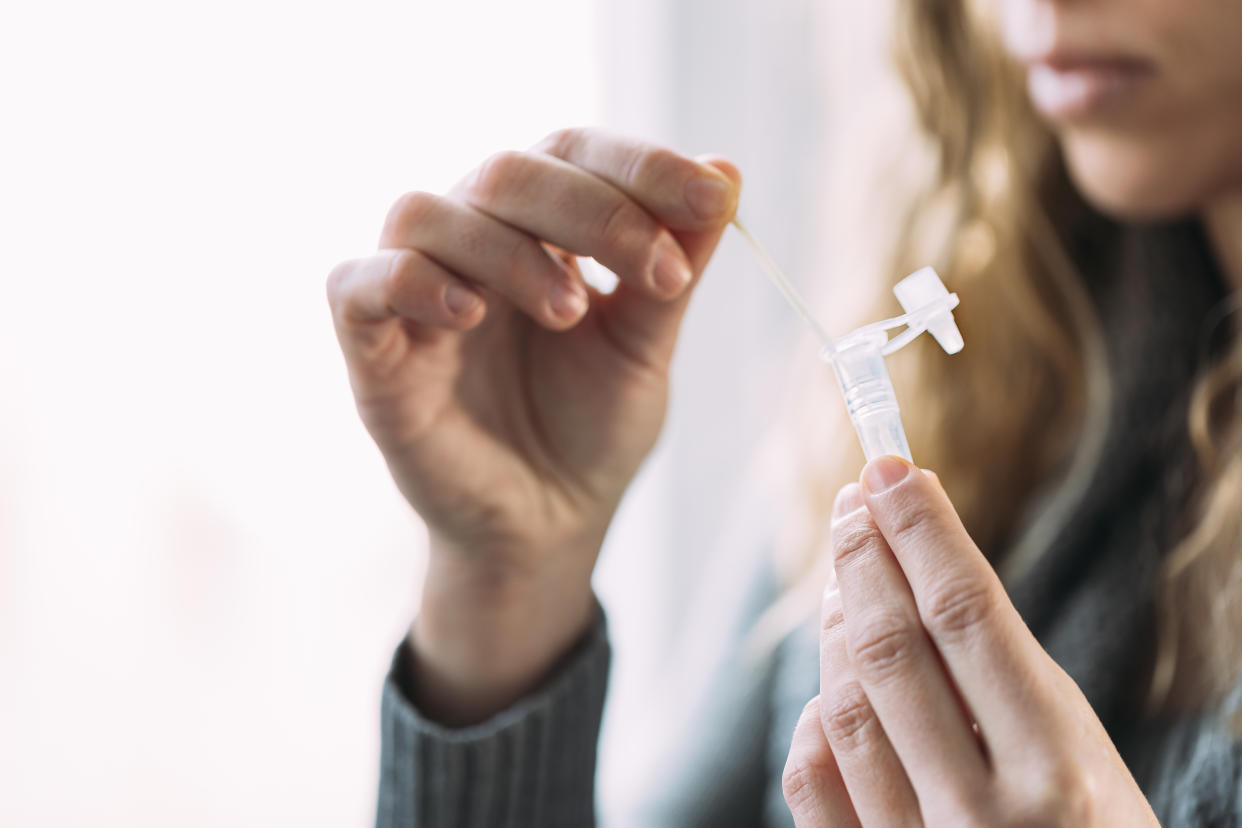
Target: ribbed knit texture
(531, 765)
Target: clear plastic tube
(858, 357)
(869, 395)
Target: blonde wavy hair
(1027, 402)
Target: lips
(1066, 87)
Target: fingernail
(567, 300)
(670, 274)
(460, 300)
(849, 499)
(707, 197)
(883, 473)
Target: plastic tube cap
(920, 289)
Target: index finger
(677, 191)
(992, 657)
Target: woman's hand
(513, 403)
(937, 706)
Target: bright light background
(204, 565)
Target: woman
(1088, 436)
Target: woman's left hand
(937, 705)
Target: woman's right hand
(513, 403)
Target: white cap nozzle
(922, 288)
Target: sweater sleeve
(530, 765)
(1200, 783)
(1191, 767)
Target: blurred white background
(204, 566)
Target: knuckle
(401, 276)
(959, 607)
(484, 241)
(911, 521)
(618, 223)
(810, 712)
(651, 166)
(631, 165)
(959, 801)
(883, 645)
(1077, 804)
(337, 283)
(854, 539)
(561, 142)
(411, 210)
(522, 254)
(848, 719)
(962, 806)
(497, 174)
(1061, 797)
(474, 240)
(833, 619)
(800, 781)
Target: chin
(1132, 183)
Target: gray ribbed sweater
(1087, 598)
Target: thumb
(649, 326)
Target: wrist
(487, 635)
